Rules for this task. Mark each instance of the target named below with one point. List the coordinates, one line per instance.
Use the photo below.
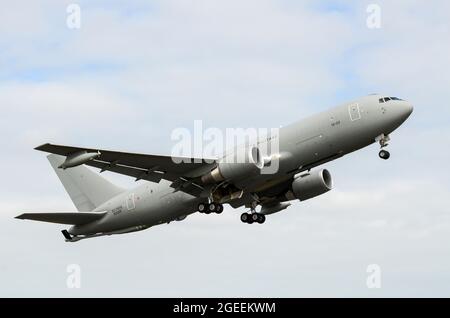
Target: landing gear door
(354, 112)
(131, 205)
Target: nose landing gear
(383, 140)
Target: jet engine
(312, 184)
(235, 169)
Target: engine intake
(310, 185)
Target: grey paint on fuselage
(303, 145)
(146, 205)
(334, 133)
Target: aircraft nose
(406, 110)
(398, 112)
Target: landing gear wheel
(202, 208)
(261, 218)
(219, 208)
(254, 217)
(245, 217)
(212, 207)
(384, 154)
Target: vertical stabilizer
(86, 188)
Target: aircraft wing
(181, 171)
(73, 218)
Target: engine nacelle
(310, 185)
(234, 171)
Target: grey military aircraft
(177, 188)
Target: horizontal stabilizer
(72, 218)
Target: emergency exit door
(131, 205)
(354, 112)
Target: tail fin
(86, 188)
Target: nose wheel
(383, 140)
(384, 154)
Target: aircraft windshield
(387, 99)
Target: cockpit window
(386, 99)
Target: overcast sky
(134, 72)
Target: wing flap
(138, 173)
(71, 218)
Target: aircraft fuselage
(302, 145)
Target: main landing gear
(208, 208)
(383, 140)
(254, 217)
